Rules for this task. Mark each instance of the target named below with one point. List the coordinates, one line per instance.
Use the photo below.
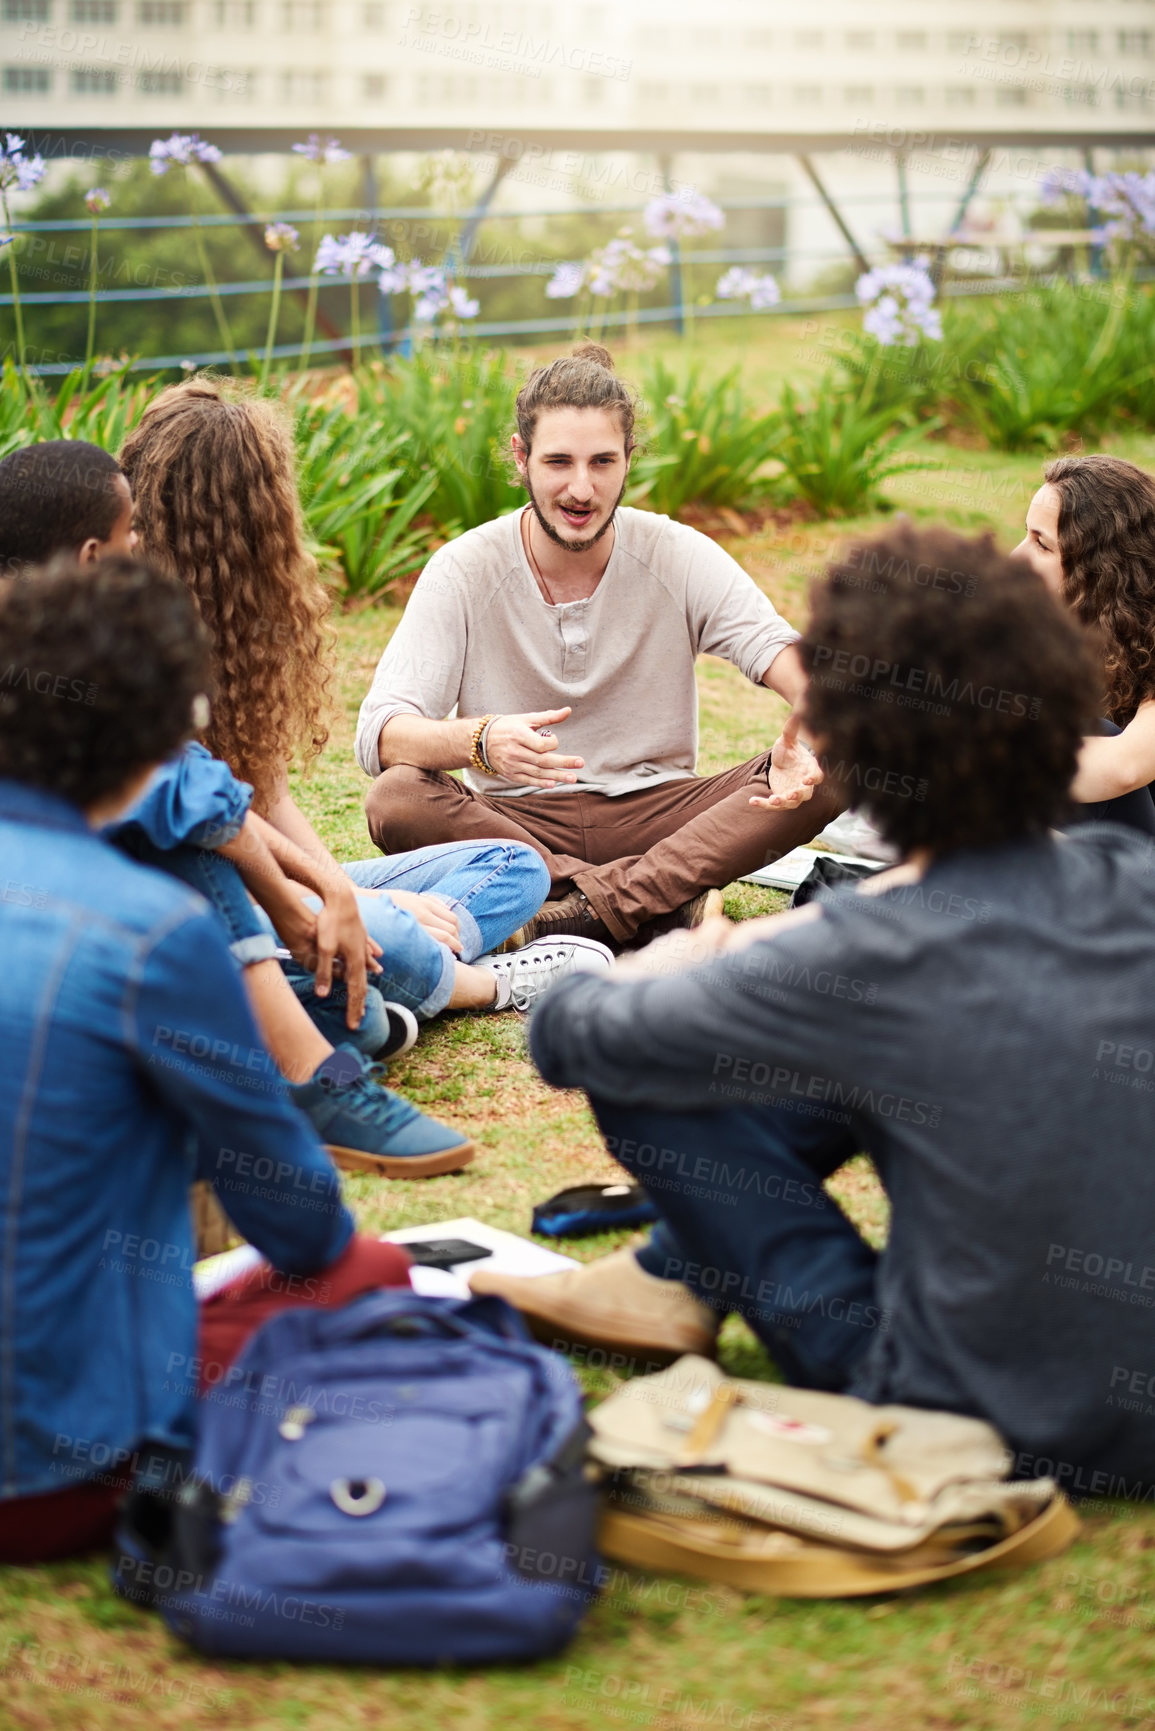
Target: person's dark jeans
(748, 1227)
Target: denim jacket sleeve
(192, 1032)
(194, 799)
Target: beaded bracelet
(481, 748)
(475, 758)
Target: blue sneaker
(367, 1128)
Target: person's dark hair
(99, 671)
(583, 380)
(54, 497)
(1107, 545)
(948, 689)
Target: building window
(808, 39)
(169, 12)
(1083, 41)
(654, 92)
(237, 14)
(93, 81)
(27, 80)
(95, 11)
(1010, 96)
(707, 94)
(302, 86)
(373, 15)
(160, 84)
(759, 39)
(910, 95)
(593, 92)
(303, 15)
(912, 40)
(859, 95)
(373, 86)
(960, 41)
(236, 86)
(27, 11)
(1135, 42)
(807, 95)
(960, 95)
(756, 95)
(1080, 96)
(857, 40)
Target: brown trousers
(634, 857)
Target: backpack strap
(777, 1562)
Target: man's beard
(560, 540)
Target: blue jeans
(747, 1226)
(492, 887)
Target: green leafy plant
(457, 410)
(839, 447)
(1066, 358)
(359, 504)
(708, 445)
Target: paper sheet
(788, 872)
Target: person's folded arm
(190, 1028)
(669, 1041)
(1112, 765)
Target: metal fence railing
(556, 317)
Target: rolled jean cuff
(472, 942)
(261, 947)
(442, 991)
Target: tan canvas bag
(784, 1490)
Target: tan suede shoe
(610, 1304)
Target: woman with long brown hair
(212, 472)
(1091, 537)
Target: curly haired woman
(1091, 537)
(211, 469)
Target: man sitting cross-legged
(579, 615)
(977, 1019)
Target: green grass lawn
(1068, 1643)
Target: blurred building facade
(860, 82)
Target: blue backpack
(399, 1483)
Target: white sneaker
(523, 975)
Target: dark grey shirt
(991, 1032)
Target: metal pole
(1096, 257)
(903, 200)
(254, 228)
(677, 295)
(860, 257)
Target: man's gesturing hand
(794, 772)
(519, 753)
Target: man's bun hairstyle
(584, 379)
(949, 691)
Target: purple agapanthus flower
(742, 284)
(16, 169)
(354, 254)
(898, 299)
(682, 215)
(318, 149)
(179, 150)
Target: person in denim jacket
(130, 1062)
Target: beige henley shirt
(478, 637)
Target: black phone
(445, 1252)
